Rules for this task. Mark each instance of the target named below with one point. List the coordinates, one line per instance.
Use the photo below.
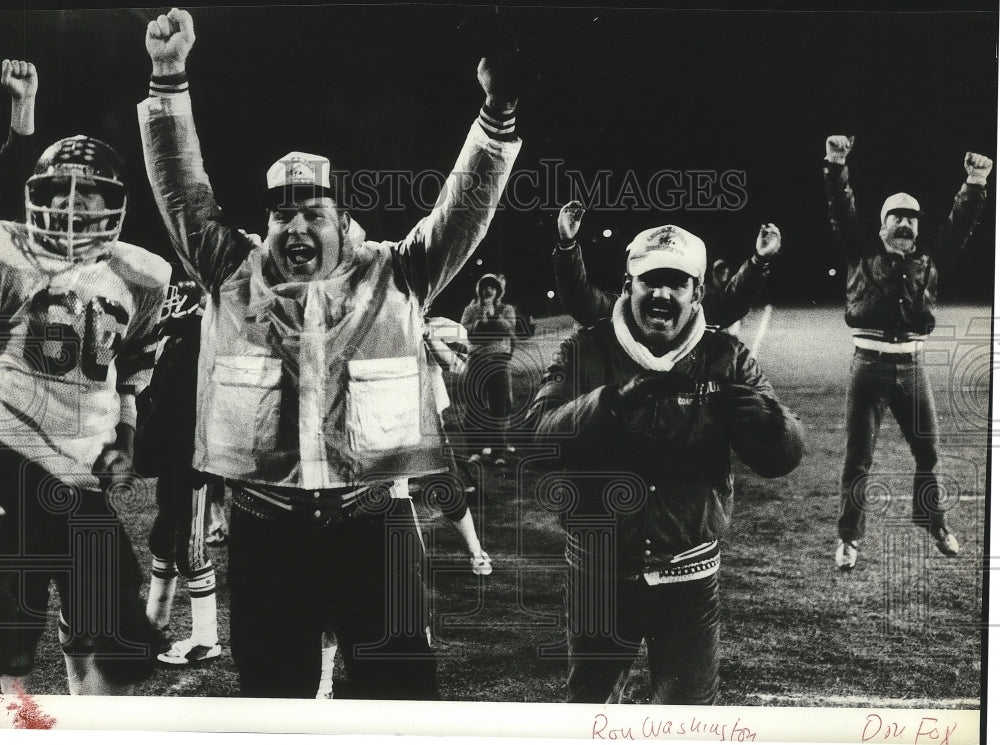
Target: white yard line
(765, 321)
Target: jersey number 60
(63, 334)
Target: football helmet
(75, 201)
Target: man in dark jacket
(727, 297)
(891, 291)
(645, 407)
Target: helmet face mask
(75, 203)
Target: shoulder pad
(139, 266)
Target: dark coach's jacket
(659, 479)
(892, 297)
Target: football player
(164, 449)
(78, 310)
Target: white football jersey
(72, 337)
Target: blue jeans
(899, 382)
(680, 623)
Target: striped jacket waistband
(326, 504)
(696, 563)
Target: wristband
(566, 246)
(500, 125)
(165, 85)
(976, 180)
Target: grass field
(902, 630)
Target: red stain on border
(27, 713)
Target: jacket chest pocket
(383, 404)
(244, 414)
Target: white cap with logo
(296, 170)
(900, 202)
(667, 247)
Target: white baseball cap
(297, 172)
(667, 247)
(901, 202)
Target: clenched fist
(838, 147)
(19, 79)
(977, 167)
(640, 391)
(169, 40)
(498, 81)
(768, 241)
(568, 223)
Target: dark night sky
(628, 91)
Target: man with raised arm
(315, 401)
(727, 298)
(891, 292)
(78, 311)
(645, 407)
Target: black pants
(52, 530)
(292, 576)
(486, 391)
(170, 537)
(610, 616)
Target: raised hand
(19, 79)
(768, 241)
(568, 223)
(838, 147)
(169, 40)
(497, 77)
(977, 167)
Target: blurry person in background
(486, 386)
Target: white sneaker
(847, 555)
(187, 653)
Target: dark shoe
(161, 640)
